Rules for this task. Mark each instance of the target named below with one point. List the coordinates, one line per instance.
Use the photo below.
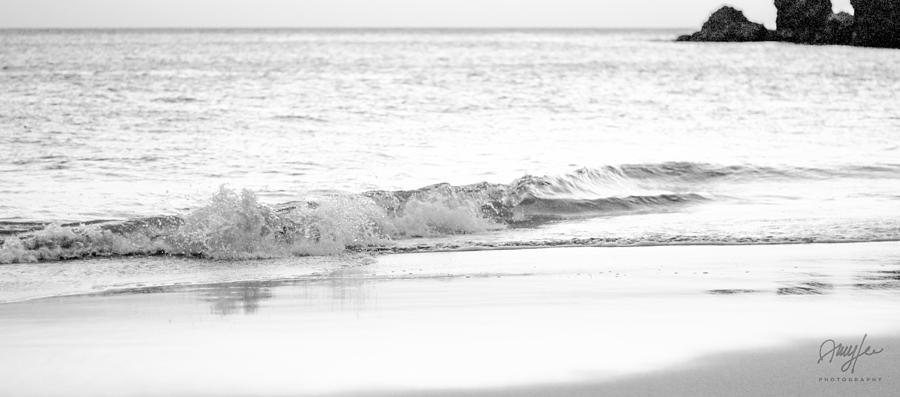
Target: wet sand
(787, 371)
(719, 320)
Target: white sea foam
(236, 225)
(57, 242)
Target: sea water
(236, 144)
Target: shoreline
(375, 252)
(639, 245)
(318, 268)
(570, 321)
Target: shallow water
(722, 143)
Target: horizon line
(339, 28)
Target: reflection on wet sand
(347, 287)
(236, 298)
(355, 288)
(864, 280)
(879, 280)
(806, 288)
(546, 316)
(732, 291)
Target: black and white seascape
(518, 203)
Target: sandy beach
(690, 320)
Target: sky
(376, 13)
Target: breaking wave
(235, 225)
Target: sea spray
(235, 225)
(421, 218)
(56, 242)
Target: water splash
(235, 225)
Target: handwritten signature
(830, 350)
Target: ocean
(260, 144)
(446, 213)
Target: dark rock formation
(839, 29)
(803, 21)
(877, 23)
(728, 24)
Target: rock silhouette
(876, 23)
(839, 29)
(728, 24)
(802, 21)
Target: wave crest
(235, 225)
(56, 242)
